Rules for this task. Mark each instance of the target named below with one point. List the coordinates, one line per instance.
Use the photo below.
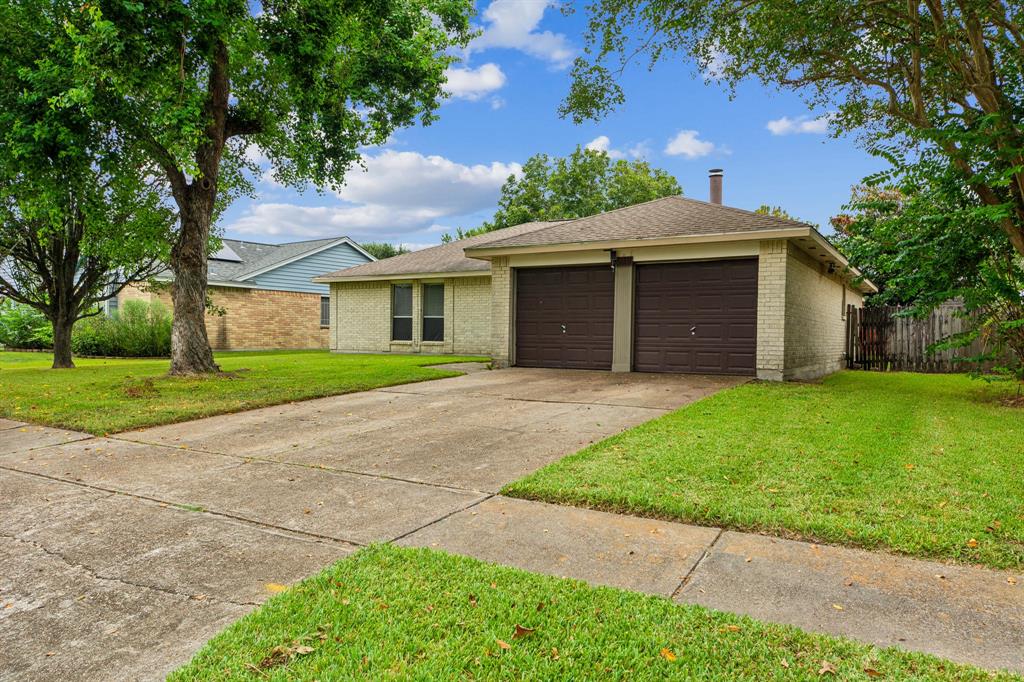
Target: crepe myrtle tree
(81, 214)
(935, 74)
(68, 243)
(201, 85)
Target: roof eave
(485, 252)
(400, 276)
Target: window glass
(433, 312)
(401, 312)
(325, 311)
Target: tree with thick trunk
(203, 88)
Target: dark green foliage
(138, 330)
(23, 326)
(925, 240)
(582, 184)
(382, 250)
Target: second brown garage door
(696, 317)
(564, 317)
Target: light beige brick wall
(771, 309)
(501, 312)
(254, 319)
(815, 317)
(362, 322)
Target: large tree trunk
(62, 326)
(190, 345)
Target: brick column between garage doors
(771, 309)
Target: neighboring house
(266, 292)
(671, 285)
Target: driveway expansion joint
(446, 516)
(95, 575)
(693, 569)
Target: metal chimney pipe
(715, 179)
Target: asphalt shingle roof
(666, 217)
(444, 258)
(256, 256)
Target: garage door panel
(564, 317)
(696, 317)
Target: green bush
(139, 330)
(22, 326)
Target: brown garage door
(564, 317)
(696, 317)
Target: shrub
(140, 329)
(22, 326)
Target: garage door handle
(563, 328)
(693, 330)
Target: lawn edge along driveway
(920, 465)
(104, 396)
(418, 613)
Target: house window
(433, 312)
(110, 306)
(401, 312)
(325, 311)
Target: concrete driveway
(120, 556)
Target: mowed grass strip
(392, 613)
(924, 465)
(107, 396)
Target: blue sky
(505, 97)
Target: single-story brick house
(266, 292)
(671, 285)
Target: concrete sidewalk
(966, 614)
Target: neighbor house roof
(668, 217)
(237, 261)
(444, 259)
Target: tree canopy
(199, 86)
(584, 183)
(80, 212)
(921, 78)
(382, 250)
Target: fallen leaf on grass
(972, 543)
(554, 653)
(784, 663)
(827, 669)
(667, 654)
(871, 672)
(731, 628)
(503, 644)
(522, 632)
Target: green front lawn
(107, 396)
(390, 613)
(926, 465)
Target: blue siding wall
(297, 276)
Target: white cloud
(687, 143)
(473, 84)
(601, 143)
(497, 103)
(641, 150)
(410, 179)
(399, 194)
(513, 24)
(800, 124)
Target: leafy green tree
(776, 212)
(80, 216)
(382, 250)
(927, 240)
(915, 78)
(584, 183)
(197, 86)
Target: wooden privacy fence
(879, 339)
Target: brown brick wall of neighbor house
(254, 319)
